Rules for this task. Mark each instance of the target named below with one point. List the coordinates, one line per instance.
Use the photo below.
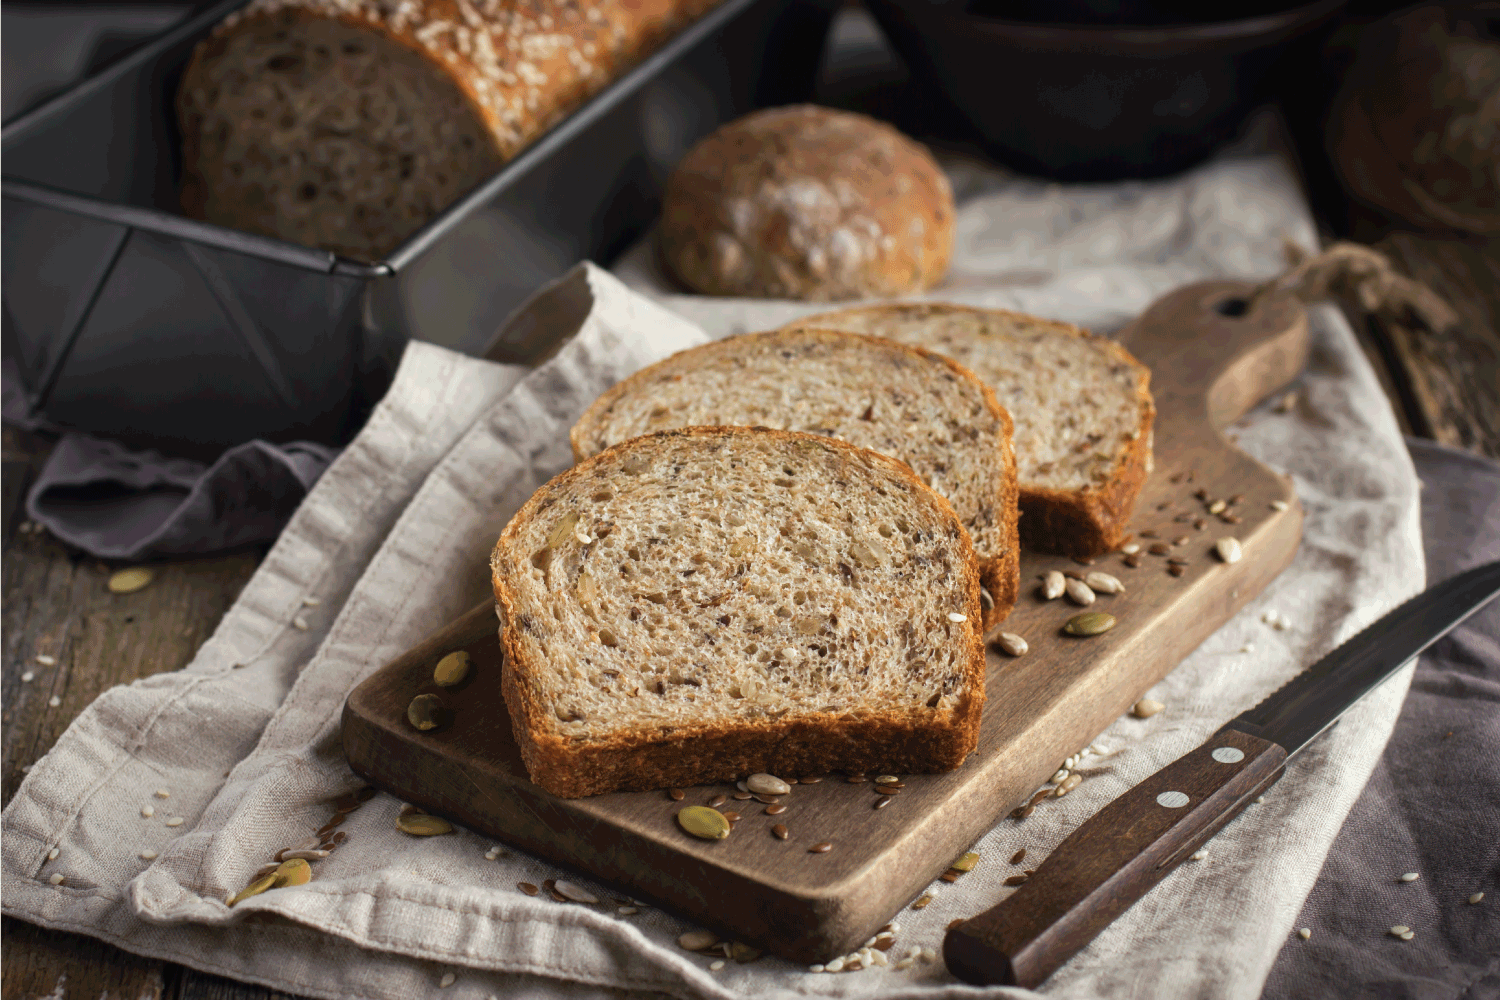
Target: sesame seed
(52, 854)
(45, 660)
(299, 623)
(148, 855)
(1199, 855)
(626, 911)
(312, 602)
(28, 677)
(1408, 935)
(1399, 930)
(175, 821)
(1248, 647)
(162, 793)
(56, 879)
(1410, 877)
(54, 701)
(1279, 505)
(818, 967)
(148, 811)
(448, 980)
(954, 616)
(929, 955)
(1259, 799)
(1304, 933)
(1476, 899)
(715, 966)
(837, 965)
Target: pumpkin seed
(1229, 549)
(966, 861)
(423, 825)
(1104, 583)
(766, 784)
(576, 893)
(128, 581)
(295, 871)
(425, 712)
(1012, 644)
(452, 669)
(704, 822)
(254, 889)
(1146, 707)
(697, 940)
(1053, 585)
(1090, 623)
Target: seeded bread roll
(922, 408)
(1081, 405)
(346, 125)
(697, 605)
(808, 203)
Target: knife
(1116, 857)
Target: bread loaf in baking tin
(346, 125)
(922, 408)
(805, 202)
(702, 604)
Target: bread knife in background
(1116, 857)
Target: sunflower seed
(425, 712)
(162, 793)
(1053, 585)
(766, 784)
(1061, 774)
(1080, 593)
(45, 660)
(422, 825)
(627, 911)
(1146, 707)
(815, 967)
(1408, 935)
(128, 581)
(1130, 548)
(1410, 877)
(28, 677)
(1091, 623)
(954, 616)
(1018, 857)
(576, 893)
(312, 602)
(704, 822)
(822, 847)
(1069, 783)
(1228, 549)
(1104, 583)
(1304, 933)
(452, 669)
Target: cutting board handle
(1213, 354)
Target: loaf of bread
(922, 408)
(346, 125)
(1081, 405)
(804, 202)
(702, 604)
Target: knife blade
(1130, 845)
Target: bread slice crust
(999, 556)
(1084, 522)
(910, 739)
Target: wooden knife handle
(1111, 861)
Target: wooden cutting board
(1211, 360)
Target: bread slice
(698, 605)
(925, 409)
(1081, 405)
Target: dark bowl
(1090, 90)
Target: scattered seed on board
(955, 617)
(1012, 644)
(1228, 549)
(883, 801)
(452, 669)
(1304, 933)
(627, 911)
(766, 784)
(1146, 707)
(780, 832)
(733, 818)
(1176, 569)
(1090, 623)
(704, 822)
(676, 794)
(823, 847)
(717, 801)
(1104, 583)
(1159, 549)
(425, 712)
(448, 980)
(1132, 561)
(742, 796)
(1079, 592)
(775, 809)
(576, 893)
(422, 825)
(1410, 877)
(1053, 585)
(1476, 899)
(128, 581)
(1217, 507)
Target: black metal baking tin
(127, 319)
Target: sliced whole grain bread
(922, 408)
(1081, 405)
(697, 605)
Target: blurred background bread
(804, 202)
(345, 125)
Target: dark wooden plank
(1208, 368)
(194, 985)
(44, 963)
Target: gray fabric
(118, 504)
(1433, 803)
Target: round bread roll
(804, 202)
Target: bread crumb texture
(347, 124)
(909, 404)
(715, 601)
(804, 202)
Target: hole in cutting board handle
(1234, 307)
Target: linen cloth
(393, 541)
